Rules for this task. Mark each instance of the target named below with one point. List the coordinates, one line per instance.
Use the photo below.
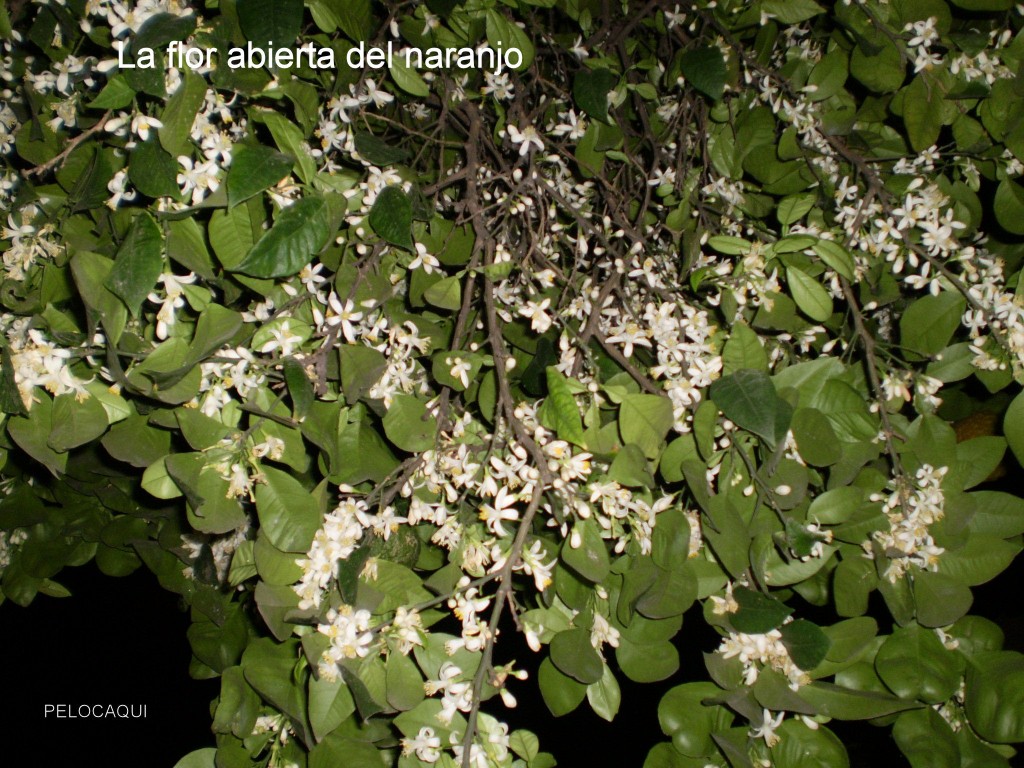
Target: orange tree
(670, 314)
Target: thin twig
(62, 156)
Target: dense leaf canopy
(708, 308)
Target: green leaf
(237, 706)
(288, 514)
(794, 207)
(791, 11)
(876, 62)
(647, 662)
(844, 703)
(929, 323)
(361, 368)
(409, 425)
(561, 693)
(573, 654)
(291, 141)
(815, 439)
(800, 747)
(922, 111)
(404, 682)
(10, 395)
(116, 94)
(180, 113)
(994, 696)
(671, 594)
(998, 514)
(806, 643)
(914, 664)
(559, 412)
(269, 668)
(410, 81)
(298, 234)
(809, 295)
(748, 399)
(590, 90)
(926, 739)
(153, 171)
(353, 17)
(837, 257)
(645, 420)
(253, 169)
(590, 559)
(1013, 427)
(31, 433)
(330, 703)
(139, 263)
(524, 744)
(758, 613)
(378, 151)
(391, 217)
(274, 22)
(1009, 206)
(689, 722)
(502, 32)
(299, 387)
(200, 758)
(446, 293)
(76, 423)
(940, 599)
(705, 70)
(743, 350)
(984, 5)
(981, 559)
(231, 235)
(604, 695)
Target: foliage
(674, 318)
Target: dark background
(122, 641)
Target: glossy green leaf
(590, 559)
(704, 69)
(590, 91)
(914, 664)
(253, 169)
(559, 411)
(391, 217)
(298, 234)
(274, 22)
(561, 693)
(138, 264)
(645, 420)
(287, 512)
(572, 653)
(408, 424)
(809, 295)
(758, 613)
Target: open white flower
(525, 139)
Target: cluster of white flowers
(9, 543)
(8, 128)
(985, 65)
(349, 632)
(222, 549)
(924, 35)
(232, 368)
(456, 693)
(334, 541)
(123, 17)
(426, 745)
(28, 243)
(757, 651)
(911, 512)
(38, 362)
